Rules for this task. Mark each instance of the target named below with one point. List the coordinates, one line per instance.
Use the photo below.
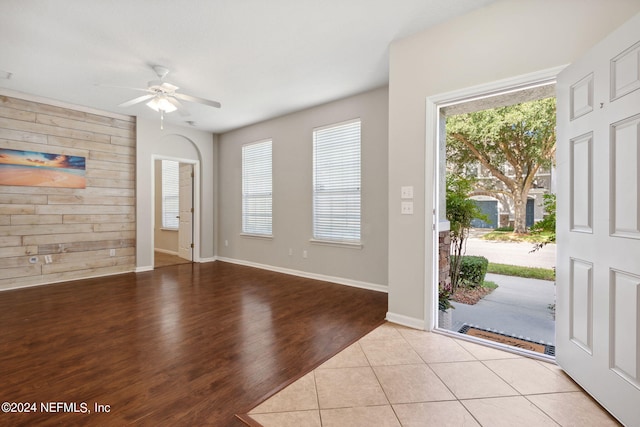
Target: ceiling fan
(162, 96)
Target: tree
(460, 211)
(548, 223)
(513, 143)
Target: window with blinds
(336, 182)
(170, 194)
(256, 188)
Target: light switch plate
(406, 192)
(406, 208)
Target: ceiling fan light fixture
(161, 103)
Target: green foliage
(473, 269)
(489, 285)
(460, 211)
(548, 223)
(509, 228)
(519, 271)
(520, 136)
(547, 226)
(510, 236)
(444, 300)
(517, 133)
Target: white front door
(598, 261)
(185, 233)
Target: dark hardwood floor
(185, 345)
(161, 259)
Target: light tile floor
(396, 376)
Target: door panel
(185, 232)
(598, 264)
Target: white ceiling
(259, 58)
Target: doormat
(522, 343)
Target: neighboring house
(499, 206)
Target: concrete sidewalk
(518, 307)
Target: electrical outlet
(226, 243)
(47, 259)
(112, 252)
(304, 254)
(290, 252)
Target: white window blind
(336, 182)
(256, 188)
(170, 194)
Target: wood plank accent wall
(77, 228)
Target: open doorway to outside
(496, 180)
(174, 212)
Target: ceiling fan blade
(199, 100)
(136, 100)
(168, 87)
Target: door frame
(434, 134)
(195, 224)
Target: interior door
(598, 261)
(185, 230)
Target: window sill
(257, 236)
(350, 245)
(169, 229)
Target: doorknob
(177, 216)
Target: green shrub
(473, 269)
(508, 228)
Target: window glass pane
(256, 188)
(170, 193)
(336, 182)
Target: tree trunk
(520, 211)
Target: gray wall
(502, 40)
(292, 197)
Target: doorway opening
(505, 311)
(174, 212)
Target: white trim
(143, 269)
(336, 243)
(444, 226)
(257, 236)
(42, 100)
(258, 142)
(212, 259)
(499, 87)
(195, 252)
(330, 125)
(432, 124)
(410, 322)
(307, 275)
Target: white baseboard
(143, 269)
(410, 322)
(307, 275)
(212, 259)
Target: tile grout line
(315, 386)
(382, 388)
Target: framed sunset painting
(33, 169)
